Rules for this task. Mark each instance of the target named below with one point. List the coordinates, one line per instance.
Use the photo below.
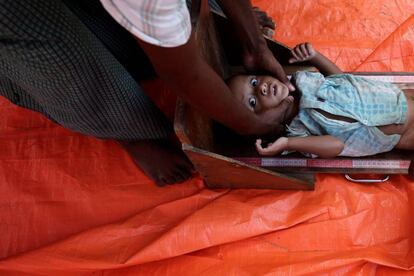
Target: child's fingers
(310, 49)
(259, 144)
(298, 52)
(264, 151)
(295, 56)
(260, 149)
(304, 50)
(269, 150)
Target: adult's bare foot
(160, 160)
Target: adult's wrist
(255, 47)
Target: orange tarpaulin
(71, 204)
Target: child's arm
(305, 51)
(323, 146)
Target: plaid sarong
(70, 61)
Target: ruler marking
(391, 78)
(326, 163)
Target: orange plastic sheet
(75, 205)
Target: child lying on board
(333, 113)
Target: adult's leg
(52, 63)
(172, 164)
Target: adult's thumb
(281, 75)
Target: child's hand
(273, 148)
(302, 52)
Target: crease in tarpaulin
(240, 237)
(138, 259)
(79, 240)
(406, 26)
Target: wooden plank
(192, 127)
(222, 172)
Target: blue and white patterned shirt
(164, 23)
(370, 103)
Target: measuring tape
(325, 163)
(390, 78)
(394, 78)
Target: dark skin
(160, 160)
(256, 55)
(185, 72)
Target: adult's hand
(266, 23)
(263, 61)
(200, 86)
(257, 57)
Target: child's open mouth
(273, 90)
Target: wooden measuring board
(224, 161)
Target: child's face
(259, 93)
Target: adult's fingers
(268, 32)
(280, 89)
(281, 75)
(263, 19)
(266, 21)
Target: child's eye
(254, 82)
(252, 101)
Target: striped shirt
(164, 23)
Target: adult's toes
(183, 174)
(160, 181)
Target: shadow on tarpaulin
(75, 205)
